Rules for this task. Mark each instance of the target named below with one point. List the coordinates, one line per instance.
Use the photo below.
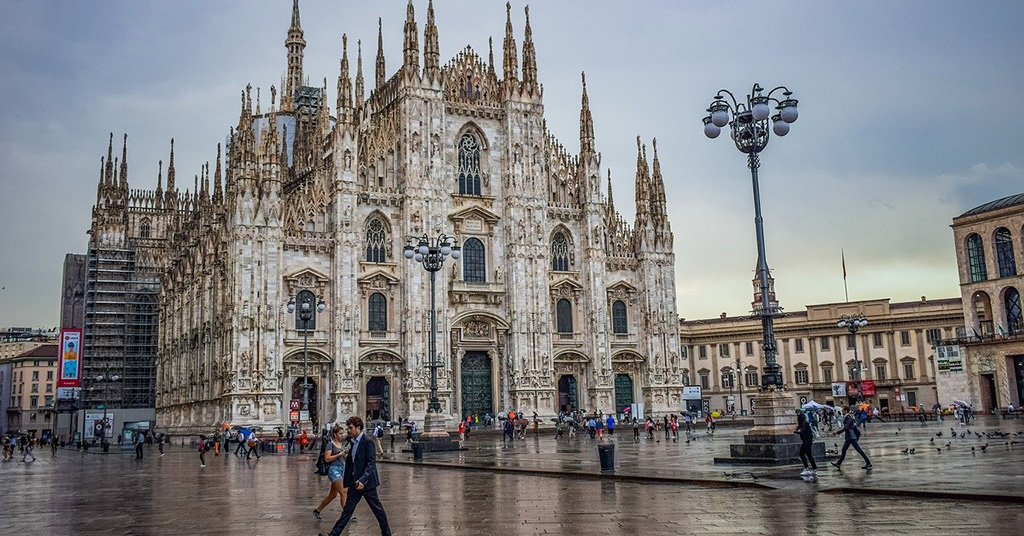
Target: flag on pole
(843, 253)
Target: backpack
(378, 431)
(202, 445)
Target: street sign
(706, 405)
(303, 415)
(691, 392)
(803, 400)
(293, 416)
(295, 404)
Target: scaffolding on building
(120, 336)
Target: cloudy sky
(910, 114)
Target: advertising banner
(867, 388)
(95, 425)
(70, 358)
(838, 388)
(691, 392)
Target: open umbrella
(961, 403)
(863, 406)
(812, 405)
(715, 414)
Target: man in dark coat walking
(361, 479)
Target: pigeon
(898, 429)
(972, 449)
(947, 445)
(938, 434)
(977, 435)
(905, 451)
(753, 476)
(939, 449)
(952, 431)
(961, 435)
(931, 439)
(727, 475)
(687, 441)
(983, 447)
(912, 450)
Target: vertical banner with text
(70, 358)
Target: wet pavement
(996, 472)
(114, 494)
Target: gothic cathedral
(555, 304)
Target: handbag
(321, 465)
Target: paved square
(113, 494)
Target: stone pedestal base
(771, 441)
(434, 426)
(434, 437)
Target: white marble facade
(324, 200)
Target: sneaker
(836, 465)
(202, 465)
(316, 513)
(805, 472)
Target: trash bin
(607, 455)
(417, 451)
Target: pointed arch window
(378, 312)
(560, 253)
(305, 296)
(976, 258)
(619, 325)
(469, 165)
(1004, 253)
(1011, 301)
(144, 229)
(376, 241)
(474, 264)
(563, 312)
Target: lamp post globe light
(431, 254)
(748, 122)
(305, 308)
(751, 124)
(853, 323)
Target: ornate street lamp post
(748, 122)
(305, 315)
(853, 323)
(431, 253)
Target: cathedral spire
(359, 74)
(586, 122)
(344, 83)
(295, 44)
(529, 58)
(218, 193)
(205, 192)
(643, 194)
(510, 65)
(381, 73)
(411, 63)
(431, 52)
(123, 183)
(159, 201)
(170, 172)
(611, 200)
(658, 208)
(108, 176)
(490, 55)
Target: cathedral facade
(556, 303)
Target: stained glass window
(559, 253)
(469, 165)
(376, 239)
